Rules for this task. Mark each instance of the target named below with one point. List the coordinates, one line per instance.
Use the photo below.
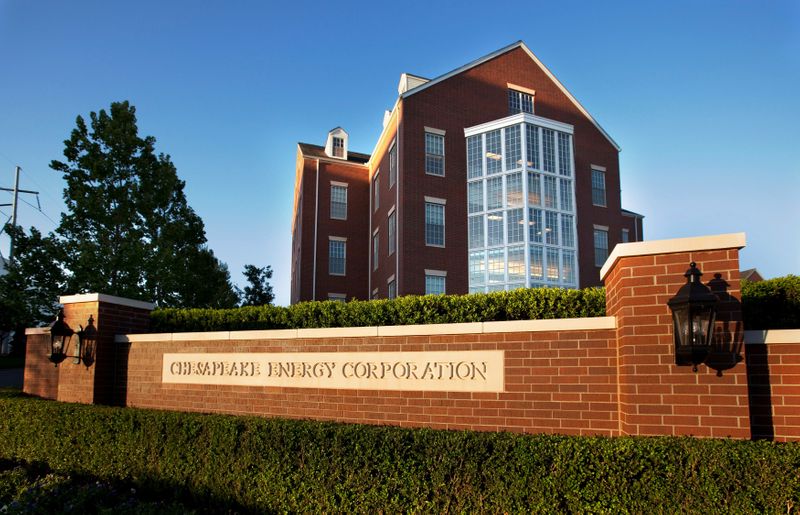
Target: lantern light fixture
(694, 310)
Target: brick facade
(474, 96)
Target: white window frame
(341, 185)
(436, 273)
(433, 201)
(440, 134)
(344, 257)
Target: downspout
(316, 217)
(397, 202)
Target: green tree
(258, 292)
(128, 229)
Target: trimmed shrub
(521, 304)
(772, 304)
(268, 465)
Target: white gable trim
(518, 44)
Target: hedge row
(268, 465)
(521, 304)
(772, 304)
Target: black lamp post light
(61, 336)
(694, 310)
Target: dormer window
(520, 101)
(338, 147)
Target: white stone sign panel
(443, 371)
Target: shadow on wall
(726, 349)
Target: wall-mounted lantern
(61, 336)
(694, 310)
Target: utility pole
(13, 205)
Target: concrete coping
(768, 336)
(37, 330)
(561, 324)
(695, 244)
(108, 299)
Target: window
(598, 188)
(434, 282)
(392, 285)
(549, 191)
(514, 190)
(338, 147)
(566, 194)
(532, 145)
(550, 228)
(600, 245)
(626, 236)
(516, 264)
(549, 150)
(434, 224)
(474, 157)
(535, 225)
(392, 232)
(494, 153)
(376, 246)
(567, 231)
(339, 201)
(513, 148)
(534, 189)
(519, 102)
(537, 268)
(374, 294)
(497, 266)
(434, 154)
(515, 233)
(494, 193)
(337, 250)
(552, 265)
(337, 297)
(475, 197)
(475, 232)
(376, 188)
(564, 161)
(392, 165)
(495, 228)
(477, 268)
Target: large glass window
(513, 148)
(516, 233)
(338, 202)
(434, 224)
(475, 232)
(475, 197)
(527, 184)
(337, 253)
(494, 193)
(434, 154)
(494, 153)
(495, 228)
(600, 246)
(474, 157)
(598, 188)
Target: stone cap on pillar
(106, 299)
(695, 244)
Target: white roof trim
(735, 240)
(518, 44)
(108, 299)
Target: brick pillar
(100, 378)
(656, 396)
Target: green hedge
(267, 465)
(521, 304)
(772, 304)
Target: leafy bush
(269, 465)
(521, 304)
(772, 304)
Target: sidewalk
(11, 377)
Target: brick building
(489, 177)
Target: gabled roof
(317, 152)
(518, 44)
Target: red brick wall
(774, 388)
(656, 396)
(41, 376)
(556, 382)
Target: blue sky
(702, 97)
